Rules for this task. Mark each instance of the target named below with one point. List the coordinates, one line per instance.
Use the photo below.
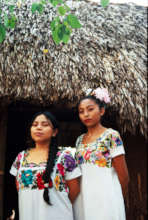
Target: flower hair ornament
(100, 93)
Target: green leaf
(61, 10)
(60, 31)
(37, 7)
(104, 3)
(43, 2)
(9, 22)
(66, 38)
(66, 7)
(40, 8)
(11, 8)
(12, 22)
(63, 33)
(54, 23)
(73, 21)
(55, 36)
(55, 2)
(34, 7)
(2, 33)
(6, 20)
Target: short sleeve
(16, 164)
(116, 146)
(72, 171)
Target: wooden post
(3, 132)
(140, 192)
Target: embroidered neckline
(93, 142)
(32, 164)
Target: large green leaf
(104, 3)
(2, 33)
(73, 21)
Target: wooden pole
(140, 192)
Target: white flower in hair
(102, 94)
(88, 91)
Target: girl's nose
(39, 126)
(85, 113)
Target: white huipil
(101, 196)
(30, 194)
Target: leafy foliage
(9, 21)
(61, 26)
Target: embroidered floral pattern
(27, 177)
(31, 175)
(68, 163)
(98, 152)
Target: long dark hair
(51, 154)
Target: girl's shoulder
(66, 151)
(66, 157)
(20, 155)
(112, 132)
(79, 139)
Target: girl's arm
(74, 188)
(120, 166)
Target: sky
(138, 2)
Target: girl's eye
(45, 124)
(34, 124)
(90, 109)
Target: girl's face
(42, 129)
(90, 113)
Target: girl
(46, 177)
(100, 155)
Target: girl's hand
(12, 217)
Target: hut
(108, 51)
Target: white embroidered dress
(29, 180)
(100, 197)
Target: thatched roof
(108, 51)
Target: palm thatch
(108, 51)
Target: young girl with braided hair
(47, 178)
(101, 157)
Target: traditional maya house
(108, 51)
